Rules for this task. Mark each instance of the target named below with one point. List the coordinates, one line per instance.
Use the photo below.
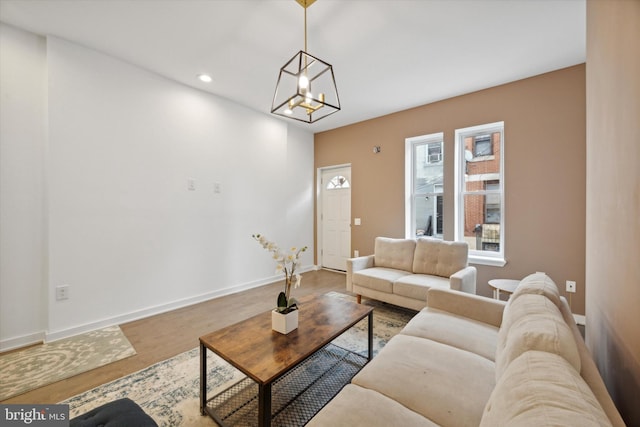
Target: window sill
(483, 158)
(485, 260)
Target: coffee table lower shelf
(296, 396)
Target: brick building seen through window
(482, 211)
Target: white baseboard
(334, 271)
(163, 308)
(23, 341)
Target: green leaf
(282, 302)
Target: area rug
(169, 390)
(296, 396)
(388, 320)
(34, 367)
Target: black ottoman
(119, 413)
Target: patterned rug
(296, 396)
(34, 367)
(169, 390)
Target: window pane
(428, 183)
(338, 182)
(479, 193)
(434, 152)
(428, 215)
(427, 172)
(482, 165)
(424, 185)
(482, 146)
(481, 223)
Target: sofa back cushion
(394, 253)
(533, 322)
(542, 389)
(439, 257)
(538, 283)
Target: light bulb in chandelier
(303, 82)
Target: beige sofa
(401, 271)
(467, 360)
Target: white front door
(336, 217)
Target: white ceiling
(387, 55)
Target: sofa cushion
(542, 389)
(538, 283)
(457, 331)
(355, 406)
(443, 383)
(377, 278)
(533, 322)
(439, 257)
(416, 286)
(394, 253)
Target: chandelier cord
(305, 29)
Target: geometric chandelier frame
(306, 89)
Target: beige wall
(613, 198)
(544, 171)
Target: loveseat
(467, 360)
(401, 271)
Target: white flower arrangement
(286, 262)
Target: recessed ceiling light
(205, 78)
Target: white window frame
(409, 168)
(493, 258)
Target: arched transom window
(338, 182)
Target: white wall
(124, 231)
(22, 214)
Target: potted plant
(284, 318)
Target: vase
(284, 323)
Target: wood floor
(163, 336)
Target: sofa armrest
(472, 306)
(464, 280)
(355, 264)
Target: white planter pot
(284, 323)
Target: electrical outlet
(62, 292)
(571, 286)
(356, 253)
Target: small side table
(504, 285)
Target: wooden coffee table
(265, 355)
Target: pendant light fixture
(306, 88)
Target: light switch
(356, 221)
(217, 187)
(191, 184)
